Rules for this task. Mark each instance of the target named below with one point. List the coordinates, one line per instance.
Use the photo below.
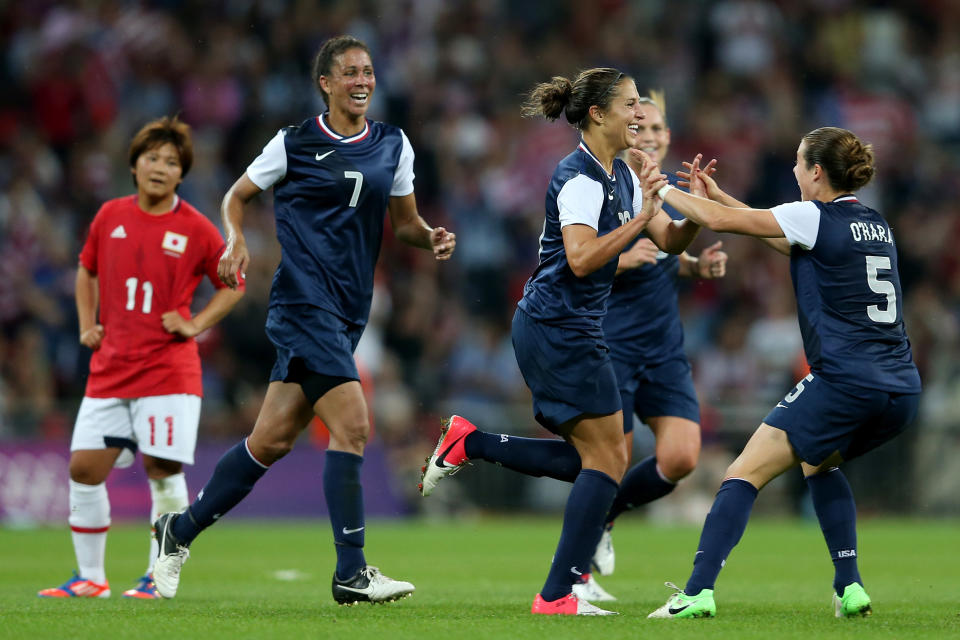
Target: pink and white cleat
(449, 456)
(568, 605)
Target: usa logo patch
(174, 242)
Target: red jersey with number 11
(147, 265)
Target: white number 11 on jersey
(132, 295)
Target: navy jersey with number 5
(330, 199)
(580, 192)
(844, 268)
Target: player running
(333, 177)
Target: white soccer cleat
(591, 590)
(449, 456)
(166, 570)
(604, 558)
(369, 585)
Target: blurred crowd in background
(744, 79)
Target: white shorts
(161, 426)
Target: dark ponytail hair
(330, 49)
(847, 161)
(573, 98)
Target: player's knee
(678, 464)
(84, 474)
(269, 452)
(354, 433)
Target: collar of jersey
(173, 208)
(583, 147)
(846, 198)
(321, 122)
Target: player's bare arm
(87, 297)
(222, 302)
(587, 252)
(706, 186)
(669, 235)
(236, 257)
(411, 229)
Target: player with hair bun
(863, 388)
(594, 209)
(143, 259)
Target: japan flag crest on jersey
(174, 243)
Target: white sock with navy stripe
(89, 523)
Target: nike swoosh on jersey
(780, 404)
(349, 531)
(321, 157)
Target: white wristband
(662, 192)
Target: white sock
(169, 495)
(89, 522)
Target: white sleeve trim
(403, 176)
(800, 222)
(271, 165)
(637, 191)
(580, 201)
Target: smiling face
(350, 84)
(621, 120)
(653, 134)
(158, 172)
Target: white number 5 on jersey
(883, 287)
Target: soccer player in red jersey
(143, 259)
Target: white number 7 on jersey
(354, 175)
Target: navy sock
(588, 504)
(344, 494)
(641, 484)
(837, 513)
(722, 530)
(232, 479)
(532, 456)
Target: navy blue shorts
(321, 339)
(568, 370)
(662, 389)
(821, 417)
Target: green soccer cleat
(853, 602)
(680, 605)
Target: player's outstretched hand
(175, 323)
(644, 251)
(699, 179)
(712, 262)
(233, 263)
(443, 243)
(92, 337)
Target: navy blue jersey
(642, 322)
(330, 197)
(580, 192)
(844, 268)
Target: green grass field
(476, 579)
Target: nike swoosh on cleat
(440, 459)
(355, 590)
(349, 531)
(320, 157)
(674, 612)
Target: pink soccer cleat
(449, 456)
(568, 605)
